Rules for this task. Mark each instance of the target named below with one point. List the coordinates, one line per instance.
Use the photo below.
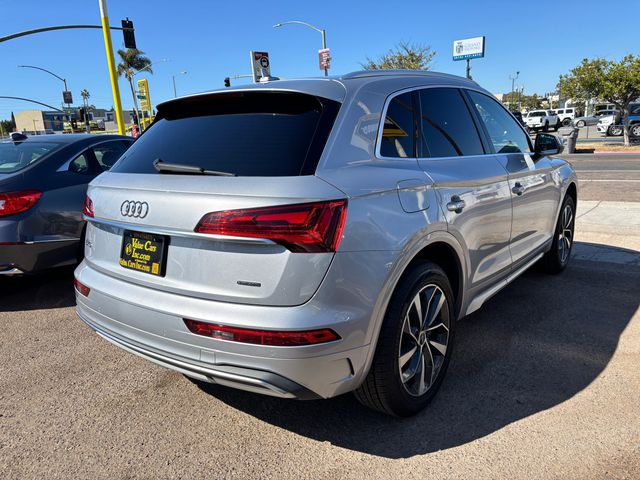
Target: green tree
(133, 61)
(614, 82)
(412, 56)
(7, 126)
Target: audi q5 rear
(282, 238)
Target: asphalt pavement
(544, 383)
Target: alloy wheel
(565, 236)
(424, 340)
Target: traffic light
(227, 82)
(128, 33)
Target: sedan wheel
(580, 123)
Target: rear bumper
(237, 377)
(149, 323)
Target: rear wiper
(163, 167)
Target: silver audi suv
(308, 238)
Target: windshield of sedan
(18, 156)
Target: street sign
(260, 65)
(143, 95)
(324, 58)
(67, 97)
(468, 48)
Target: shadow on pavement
(51, 289)
(536, 344)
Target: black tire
(580, 123)
(615, 131)
(634, 130)
(383, 389)
(557, 259)
(566, 122)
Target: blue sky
(211, 40)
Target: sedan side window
(504, 132)
(398, 132)
(108, 153)
(80, 164)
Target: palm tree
(133, 61)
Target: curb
(609, 152)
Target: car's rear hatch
(151, 225)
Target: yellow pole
(117, 104)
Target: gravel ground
(544, 384)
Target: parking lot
(544, 384)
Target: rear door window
(398, 131)
(108, 153)
(447, 128)
(242, 133)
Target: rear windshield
(243, 133)
(17, 156)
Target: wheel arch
(439, 247)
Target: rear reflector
(304, 227)
(261, 337)
(87, 208)
(82, 289)
(18, 202)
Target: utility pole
(513, 79)
(117, 104)
(469, 69)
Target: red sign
(324, 58)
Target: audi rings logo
(129, 208)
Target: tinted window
(505, 133)
(244, 133)
(398, 134)
(446, 125)
(108, 153)
(80, 164)
(634, 109)
(16, 156)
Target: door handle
(518, 189)
(456, 204)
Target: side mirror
(547, 144)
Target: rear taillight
(261, 337)
(18, 202)
(87, 208)
(81, 288)
(304, 227)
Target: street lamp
(184, 72)
(53, 74)
(322, 32)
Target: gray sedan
(43, 180)
(593, 119)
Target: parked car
(43, 182)
(613, 125)
(303, 239)
(566, 115)
(595, 118)
(519, 116)
(542, 120)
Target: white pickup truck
(542, 120)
